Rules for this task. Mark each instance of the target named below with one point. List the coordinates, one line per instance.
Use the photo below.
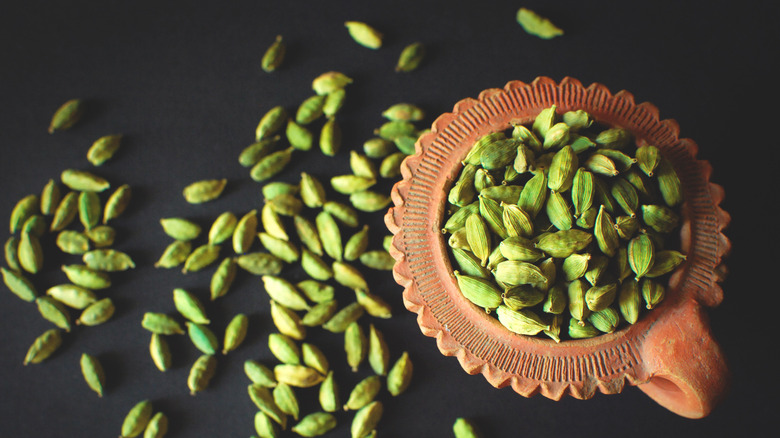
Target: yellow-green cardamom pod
(601, 164)
(559, 211)
(478, 237)
(614, 138)
(605, 320)
(641, 255)
(410, 58)
(364, 34)
(522, 322)
(274, 55)
(652, 292)
(660, 218)
(330, 137)
(522, 296)
(534, 194)
(625, 195)
(600, 297)
(204, 191)
(630, 301)
(665, 262)
(329, 82)
(544, 121)
(66, 115)
(483, 143)
(492, 213)
(669, 183)
(577, 306)
(564, 243)
(647, 158)
(556, 137)
(606, 235)
(482, 292)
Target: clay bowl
(669, 353)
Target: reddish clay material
(669, 353)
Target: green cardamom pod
(522, 296)
(341, 320)
(625, 195)
(11, 249)
(330, 236)
(556, 300)
(653, 293)
(313, 357)
(44, 346)
(316, 291)
(629, 301)
(117, 203)
(298, 376)
(582, 329)
(665, 262)
(400, 375)
(259, 374)
(605, 233)
(299, 136)
(284, 292)
(374, 304)
(582, 191)
(264, 401)
(310, 109)
(333, 102)
(271, 165)
(601, 164)
(363, 393)
(72, 242)
(71, 295)
(366, 420)
(469, 264)
(478, 237)
(284, 349)
(626, 226)
(378, 147)
(83, 181)
(270, 123)
(30, 253)
(285, 399)
(314, 266)
(19, 285)
(101, 235)
(403, 112)
(364, 34)
(204, 190)
(320, 313)
(287, 321)
(200, 258)
(349, 276)
(597, 267)
(501, 193)
(329, 394)
(647, 158)
(93, 373)
(315, 424)
(378, 353)
(281, 249)
(577, 120)
(605, 320)
(54, 312)
(534, 194)
(580, 143)
(564, 243)
(556, 137)
(66, 115)
(274, 55)
(174, 255)
(669, 183)
(355, 345)
(189, 306)
(253, 153)
(201, 373)
(500, 154)
(544, 121)
(520, 248)
(356, 245)
(157, 426)
(103, 149)
(482, 292)
(464, 428)
(660, 218)
(161, 324)
(614, 138)
(491, 211)
(575, 266)
(537, 25)
(23, 210)
(410, 58)
(180, 228)
(369, 201)
(285, 204)
(329, 82)
(559, 211)
(522, 322)
(330, 137)
(600, 297)
(97, 313)
(65, 213)
(483, 143)
(577, 306)
(641, 255)
(136, 419)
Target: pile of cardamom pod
(564, 215)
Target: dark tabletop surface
(182, 81)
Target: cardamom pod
(93, 373)
(522, 322)
(201, 373)
(66, 115)
(204, 190)
(400, 375)
(103, 149)
(355, 345)
(274, 55)
(117, 203)
(410, 58)
(285, 399)
(200, 258)
(44, 346)
(136, 419)
(364, 34)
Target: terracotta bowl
(669, 353)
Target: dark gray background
(182, 80)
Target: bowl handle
(686, 368)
